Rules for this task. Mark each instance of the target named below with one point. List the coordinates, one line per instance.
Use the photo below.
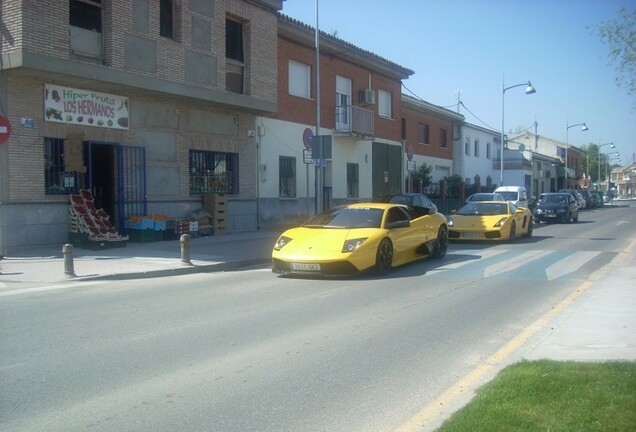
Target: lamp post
(611, 144)
(567, 144)
(607, 172)
(529, 90)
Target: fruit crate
(141, 235)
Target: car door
(405, 239)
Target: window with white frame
(352, 180)
(299, 79)
(286, 177)
(343, 103)
(488, 151)
(476, 147)
(423, 133)
(384, 104)
(467, 146)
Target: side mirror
(398, 224)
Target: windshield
(509, 196)
(483, 209)
(554, 199)
(342, 217)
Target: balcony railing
(355, 120)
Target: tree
(423, 174)
(452, 185)
(619, 35)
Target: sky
(473, 48)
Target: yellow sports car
(352, 238)
(490, 220)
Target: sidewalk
(137, 260)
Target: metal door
(129, 168)
(387, 169)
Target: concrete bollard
(67, 252)
(185, 249)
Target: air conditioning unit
(367, 97)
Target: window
(343, 103)
(166, 18)
(234, 55)
(384, 104)
(423, 133)
(299, 79)
(57, 180)
(443, 138)
(352, 180)
(213, 172)
(488, 151)
(86, 14)
(85, 28)
(287, 177)
(467, 146)
(476, 147)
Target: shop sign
(85, 107)
(5, 130)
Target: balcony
(354, 120)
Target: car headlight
(281, 242)
(353, 244)
(539, 211)
(501, 222)
(450, 221)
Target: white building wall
(480, 164)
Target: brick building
(149, 104)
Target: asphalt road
(251, 351)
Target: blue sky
(473, 46)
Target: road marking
(44, 288)
(512, 263)
(478, 254)
(444, 403)
(570, 264)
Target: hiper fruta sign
(84, 107)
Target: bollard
(67, 252)
(185, 249)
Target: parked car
(490, 220)
(597, 198)
(410, 199)
(515, 194)
(556, 207)
(352, 238)
(484, 196)
(580, 199)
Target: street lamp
(529, 90)
(567, 144)
(611, 144)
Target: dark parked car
(556, 206)
(584, 193)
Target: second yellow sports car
(490, 220)
(349, 239)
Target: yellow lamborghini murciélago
(352, 238)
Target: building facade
(475, 155)
(149, 104)
(357, 113)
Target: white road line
(512, 263)
(480, 254)
(570, 264)
(44, 288)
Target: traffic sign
(308, 136)
(5, 130)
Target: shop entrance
(117, 179)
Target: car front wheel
(384, 257)
(441, 245)
(513, 232)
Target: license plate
(305, 267)
(472, 235)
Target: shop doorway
(117, 180)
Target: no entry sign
(5, 130)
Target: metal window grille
(57, 180)
(287, 176)
(213, 172)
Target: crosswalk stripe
(570, 264)
(479, 253)
(512, 263)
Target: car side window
(396, 214)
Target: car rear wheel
(513, 232)
(384, 257)
(575, 218)
(441, 245)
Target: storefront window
(213, 172)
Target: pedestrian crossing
(540, 265)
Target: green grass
(553, 396)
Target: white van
(515, 194)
